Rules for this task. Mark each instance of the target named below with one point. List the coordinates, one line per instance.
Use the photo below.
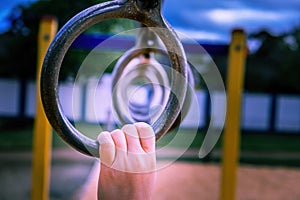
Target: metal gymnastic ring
(125, 73)
(118, 77)
(130, 9)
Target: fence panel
(256, 111)
(10, 97)
(288, 113)
(93, 104)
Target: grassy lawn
(21, 139)
(18, 140)
(255, 142)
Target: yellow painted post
(231, 137)
(42, 138)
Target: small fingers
(147, 136)
(132, 138)
(106, 148)
(119, 140)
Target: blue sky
(213, 20)
(5, 8)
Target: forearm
(139, 186)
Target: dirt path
(181, 180)
(189, 181)
(195, 181)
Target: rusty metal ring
(121, 77)
(129, 9)
(117, 75)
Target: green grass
(19, 139)
(255, 142)
(270, 142)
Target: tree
(18, 44)
(274, 67)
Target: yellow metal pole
(231, 137)
(42, 138)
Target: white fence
(88, 103)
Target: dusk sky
(213, 20)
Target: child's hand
(127, 163)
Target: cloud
(206, 36)
(219, 17)
(230, 16)
(215, 18)
(253, 20)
